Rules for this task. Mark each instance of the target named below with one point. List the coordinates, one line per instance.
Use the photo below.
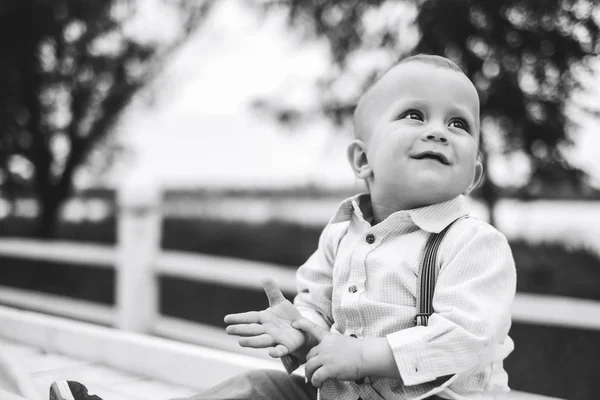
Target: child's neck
(383, 209)
(381, 212)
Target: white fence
(139, 261)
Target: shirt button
(370, 238)
(352, 289)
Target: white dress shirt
(362, 281)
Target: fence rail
(228, 272)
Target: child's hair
(431, 59)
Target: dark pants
(262, 385)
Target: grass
(551, 268)
(554, 361)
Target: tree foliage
(526, 58)
(68, 69)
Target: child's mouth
(431, 155)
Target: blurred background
(238, 113)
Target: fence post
(138, 235)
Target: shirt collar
(436, 217)
(351, 206)
(433, 218)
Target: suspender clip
(421, 319)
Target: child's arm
(315, 281)
(472, 302)
(270, 328)
(315, 286)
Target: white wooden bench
(119, 365)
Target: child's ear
(477, 178)
(357, 157)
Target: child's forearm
(378, 359)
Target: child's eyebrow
(408, 102)
(413, 100)
(463, 112)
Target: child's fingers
(310, 367)
(316, 331)
(245, 330)
(312, 353)
(257, 342)
(250, 317)
(273, 293)
(320, 376)
(278, 351)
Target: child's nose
(436, 135)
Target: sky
(195, 127)
(199, 128)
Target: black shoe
(70, 390)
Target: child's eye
(412, 114)
(460, 124)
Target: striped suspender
(428, 276)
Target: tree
(69, 68)
(526, 58)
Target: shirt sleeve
(314, 279)
(315, 285)
(472, 300)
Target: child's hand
(268, 328)
(335, 357)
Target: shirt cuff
(410, 354)
(290, 363)
(313, 316)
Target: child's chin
(434, 194)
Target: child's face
(420, 127)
